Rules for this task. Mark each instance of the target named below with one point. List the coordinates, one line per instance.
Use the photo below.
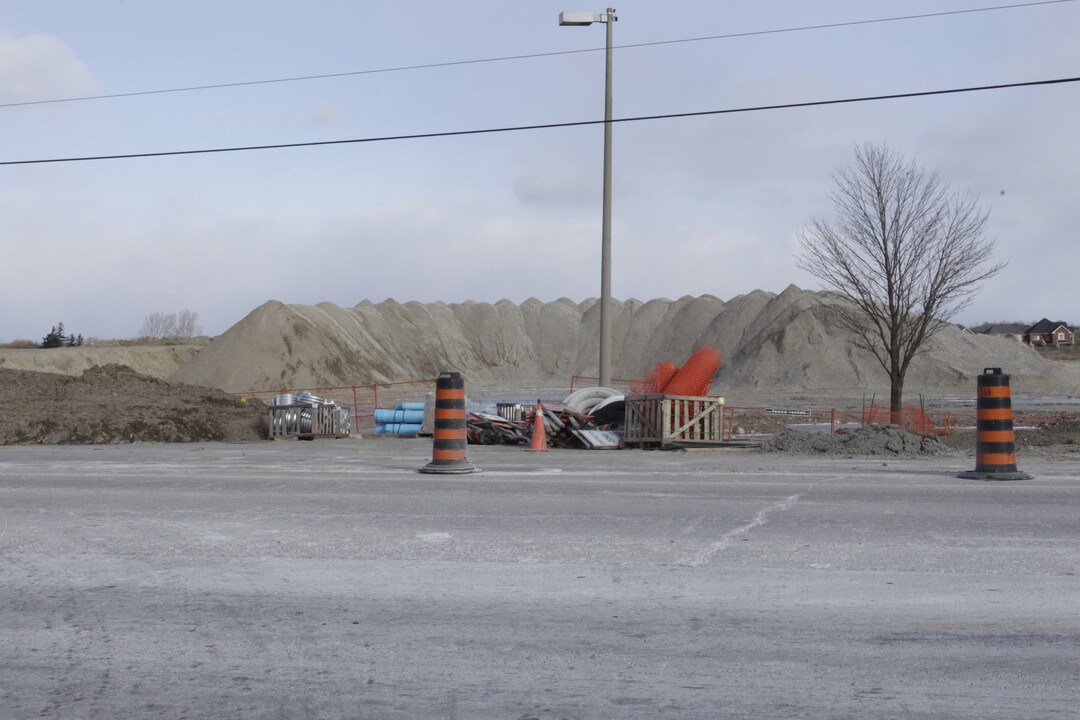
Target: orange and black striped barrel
(995, 441)
(451, 438)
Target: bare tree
(904, 250)
(187, 324)
(173, 325)
(158, 325)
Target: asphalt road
(329, 579)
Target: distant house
(1013, 330)
(1048, 333)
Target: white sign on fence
(792, 413)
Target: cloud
(41, 67)
(567, 185)
(101, 268)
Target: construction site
(399, 511)
(751, 367)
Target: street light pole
(608, 18)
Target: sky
(700, 205)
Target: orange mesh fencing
(665, 372)
(655, 380)
(695, 377)
(911, 418)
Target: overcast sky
(704, 205)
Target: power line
(548, 126)
(529, 56)
(851, 23)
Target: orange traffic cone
(539, 436)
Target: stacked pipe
(405, 419)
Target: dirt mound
(888, 440)
(1054, 438)
(788, 342)
(1052, 434)
(154, 360)
(1062, 436)
(115, 404)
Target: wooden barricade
(659, 420)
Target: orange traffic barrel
(995, 441)
(448, 451)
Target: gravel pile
(888, 440)
(792, 341)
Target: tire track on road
(703, 557)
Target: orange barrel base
(995, 442)
(448, 451)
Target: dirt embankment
(158, 361)
(115, 404)
(1051, 438)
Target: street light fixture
(580, 18)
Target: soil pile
(888, 440)
(115, 404)
(789, 341)
(1054, 434)
(155, 360)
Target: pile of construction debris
(590, 418)
(487, 429)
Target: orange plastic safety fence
(695, 377)
(655, 380)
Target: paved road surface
(330, 580)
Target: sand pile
(788, 341)
(155, 360)
(783, 344)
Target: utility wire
(549, 126)
(850, 23)
(477, 61)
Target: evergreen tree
(55, 338)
